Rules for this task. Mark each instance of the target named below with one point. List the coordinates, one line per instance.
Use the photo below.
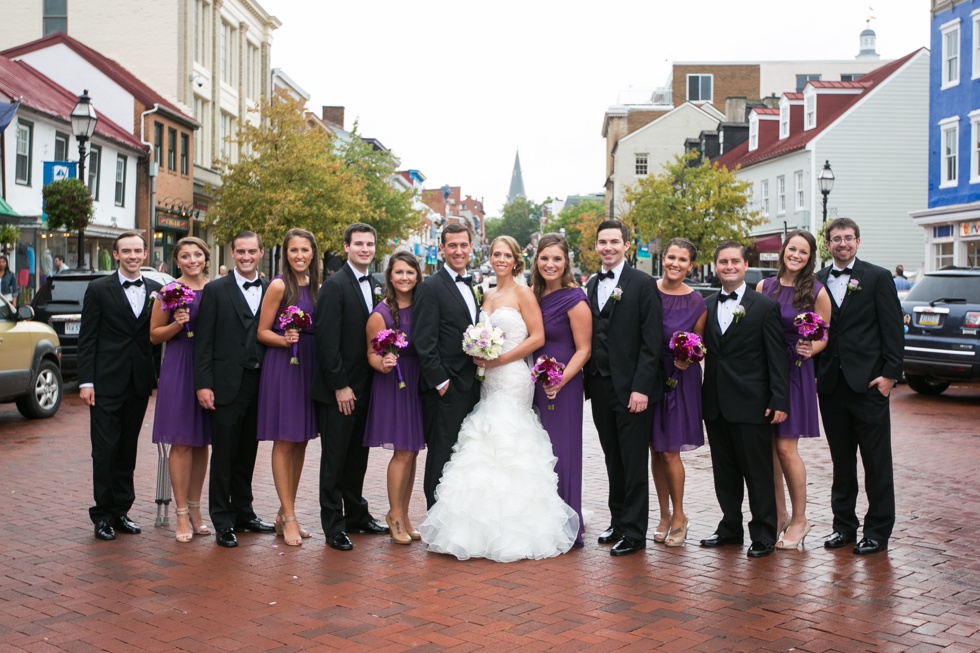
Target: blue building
(952, 221)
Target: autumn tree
(580, 222)
(288, 175)
(390, 210)
(704, 203)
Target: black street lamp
(826, 180)
(83, 121)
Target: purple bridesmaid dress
(178, 418)
(564, 423)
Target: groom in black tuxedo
(624, 379)
(445, 304)
(227, 358)
(745, 392)
(342, 388)
(855, 375)
(115, 359)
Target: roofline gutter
(153, 167)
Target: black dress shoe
(341, 542)
(627, 546)
(838, 540)
(126, 525)
(226, 537)
(611, 535)
(369, 528)
(256, 525)
(720, 540)
(761, 549)
(869, 545)
(104, 531)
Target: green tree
(390, 210)
(580, 222)
(704, 203)
(68, 205)
(519, 219)
(288, 175)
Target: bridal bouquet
(389, 341)
(549, 372)
(483, 340)
(293, 317)
(176, 295)
(687, 347)
(811, 327)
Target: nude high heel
(787, 545)
(183, 538)
(203, 528)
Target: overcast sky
(455, 88)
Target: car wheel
(926, 385)
(45, 396)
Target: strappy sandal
(290, 542)
(183, 538)
(203, 529)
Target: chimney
(334, 116)
(735, 109)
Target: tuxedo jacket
(633, 334)
(340, 325)
(114, 350)
(439, 318)
(745, 369)
(225, 338)
(866, 337)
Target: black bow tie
(722, 297)
(467, 280)
(362, 279)
(127, 284)
(838, 273)
(606, 275)
(252, 284)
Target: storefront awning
(7, 211)
(768, 243)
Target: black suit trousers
(860, 421)
(442, 417)
(343, 464)
(115, 429)
(742, 453)
(233, 451)
(625, 440)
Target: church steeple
(516, 181)
(868, 38)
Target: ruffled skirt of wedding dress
(498, 497)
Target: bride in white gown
(498, 496)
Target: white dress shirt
(726, 309)
(253, 295)
(135, 294)
(606, 286)
(838, 285)
(466, 292)
(365, 286)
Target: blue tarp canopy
(7, 112)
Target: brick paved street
(62, 590)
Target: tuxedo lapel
(592, 287)
(712, 305)
(857, 272)
(120, 299)
(449, 281)
(237, 298)
(356, 287)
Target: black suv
(942, 323)
(59, 303)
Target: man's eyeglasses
(837, 240)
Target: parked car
(942, 323)
(30, 362)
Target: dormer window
(753, 132)
(809, 109)
(783, 119)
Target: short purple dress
(802, 421)
(394, 419)
(178, 418)
(286, 411)
(677, 417)
(564, 423)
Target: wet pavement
(62, 590)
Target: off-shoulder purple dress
(564, 423)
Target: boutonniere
(616, 294)
(478, 295)
(151, 298)
(853, 285)
(738, 313)
(378, 293)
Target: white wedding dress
(498, 496)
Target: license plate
(72, 328)
(928, 319)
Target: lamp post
(826, 181)
(83, 121)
